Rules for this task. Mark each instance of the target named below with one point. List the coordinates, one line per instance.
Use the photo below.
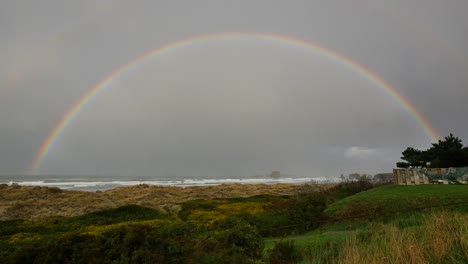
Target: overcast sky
(228, 107)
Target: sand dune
(27, 202)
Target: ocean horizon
(102, 183)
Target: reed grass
(441, 238)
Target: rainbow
(295, 42)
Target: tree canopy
(446, 153)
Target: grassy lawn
(400, 197)
(314, 239)
(316, 247)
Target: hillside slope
(392, 198)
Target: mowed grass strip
(400, 197)
(314, 239)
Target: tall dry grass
(442, 238)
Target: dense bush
(117, 215)
(171, 243)
(288, 216)
(306, 213)
(275, 221)
(235, 241)
(271, 223)
(345, 189)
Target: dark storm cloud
(201, 112)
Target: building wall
(425, 175)
(409, 177)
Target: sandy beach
(34, 202)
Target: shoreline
(35, 202)
(88, 183)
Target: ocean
(101, 183)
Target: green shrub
(235, 237)
(170, 243)
(288, 216)
(307, 212)
(270, 223)
(235, 241)
(117, 215)
(345, 189)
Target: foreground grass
(441, 238)
(313, 239)
(387, 230)
(315, 247)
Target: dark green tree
(414, 158)
(403, 165)
(446, 153)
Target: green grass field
(398, 197)
(312, 239)
(387, 215)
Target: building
(409, 177)
(416, 176)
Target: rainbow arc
(93, 92)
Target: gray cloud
(227, 108)
(360, 153)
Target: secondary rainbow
(99, 87)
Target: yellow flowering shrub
(43, 222)
(23, 237)
(223, 210)
(252, 208)
(99, 229)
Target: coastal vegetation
(353, 222)
(35, 202)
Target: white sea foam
(91, 184)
